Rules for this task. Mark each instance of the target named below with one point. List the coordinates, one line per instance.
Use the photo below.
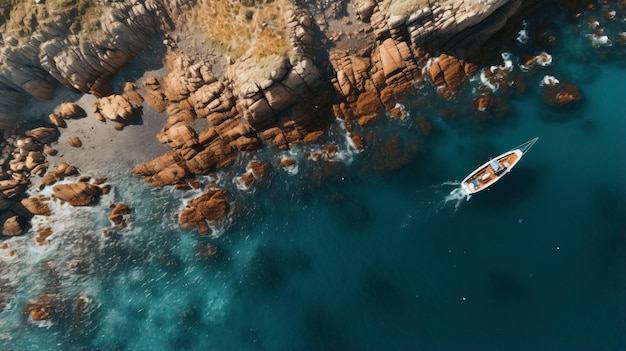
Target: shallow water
(344, 255)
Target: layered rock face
(281, 99)
(80, 44)
(406, 34)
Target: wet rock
(43, 234)
(119, 214)
(258, 169)
(448, 73)
(37, 206)
(77, 194)
(211, 206)
(43, 307)
(62, 170)
(13, 226)
(561, 94)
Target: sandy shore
(103, 147)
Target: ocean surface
(370, 251)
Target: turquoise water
(347, 256)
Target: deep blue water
(352, 257)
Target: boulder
(13, 226)
(448, 73)
(74, 142)
(43, 234)
(118, 108)
(43, 307)
(43, 135)
(211, 206)
(62, 170)
(37, 206)
(257, 169)
(68, 110)
(118, 214)
(178, 136)
(77, 194)
(57, 120)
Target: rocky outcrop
(67, 110)
(447, 73)
(58, 49)
(561, 94)
(212, 206)
(77, 194)
(123, 109)
(43, 307)
(119, 214)
(62, 170)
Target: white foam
(522, 35)
(292, 169)
(599, 40)
(549, 80)
(457, 196)
(239, 182)
(483, 79)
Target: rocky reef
(258, 73)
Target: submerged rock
(561, 94)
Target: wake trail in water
(436, 198)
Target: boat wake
(457, 196)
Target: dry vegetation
(21, 18)
(404, 7)
(237, 27)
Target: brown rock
(118, 213)
(368, 120)
(257, 168)
(57, 120)
(44, 233)
(211, 206)
(286, 162)
(13, 226)
(77, 194)
(43, 134)
(448, 73)
(178, 136)
(118, 108)
(37, 206)
(69, 110)
(247, 179)
(43, 307)
(357, 141)
(74, 142)
(330, 150)
(424, 125)
(561, 94)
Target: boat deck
(490, 172)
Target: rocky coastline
(351, 59)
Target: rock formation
(118, 215)
(212, 206)
(74, 44)
(561, 94)
(77, 194)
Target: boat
(493, 170)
